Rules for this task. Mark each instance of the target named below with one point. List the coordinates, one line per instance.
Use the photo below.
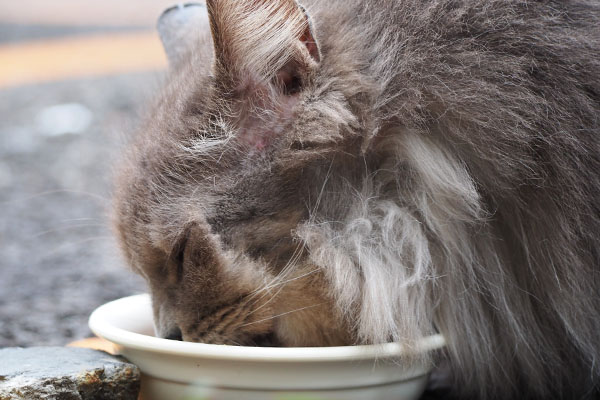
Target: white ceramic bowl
(173, 370)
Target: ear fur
(262, 39)
(179, 27)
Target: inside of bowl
(140, 321)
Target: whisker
(282, 314)
(279, 291)
(283, 283)
(266, 290)
(284, 272)
(320, 196)
(62, 228)
(296, 278)
(81, 219)
(287, 269)
(104, 200)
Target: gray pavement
(58, 260)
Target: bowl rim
(99, 324)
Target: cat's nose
(174, 334)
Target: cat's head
(229, 164)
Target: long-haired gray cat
(368, 171)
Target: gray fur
(438, 170)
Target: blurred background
(74, 78)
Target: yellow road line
(79, 57)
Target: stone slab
(64, 373)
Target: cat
(343, 172)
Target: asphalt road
(58, 142)
(58, 258)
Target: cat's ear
(179, 28)
(265, 40)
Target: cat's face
(202, 294)
(227, 167)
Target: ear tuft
(261, 37)
(308, 38)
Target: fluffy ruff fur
(484, 216)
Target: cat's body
(395, 169)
